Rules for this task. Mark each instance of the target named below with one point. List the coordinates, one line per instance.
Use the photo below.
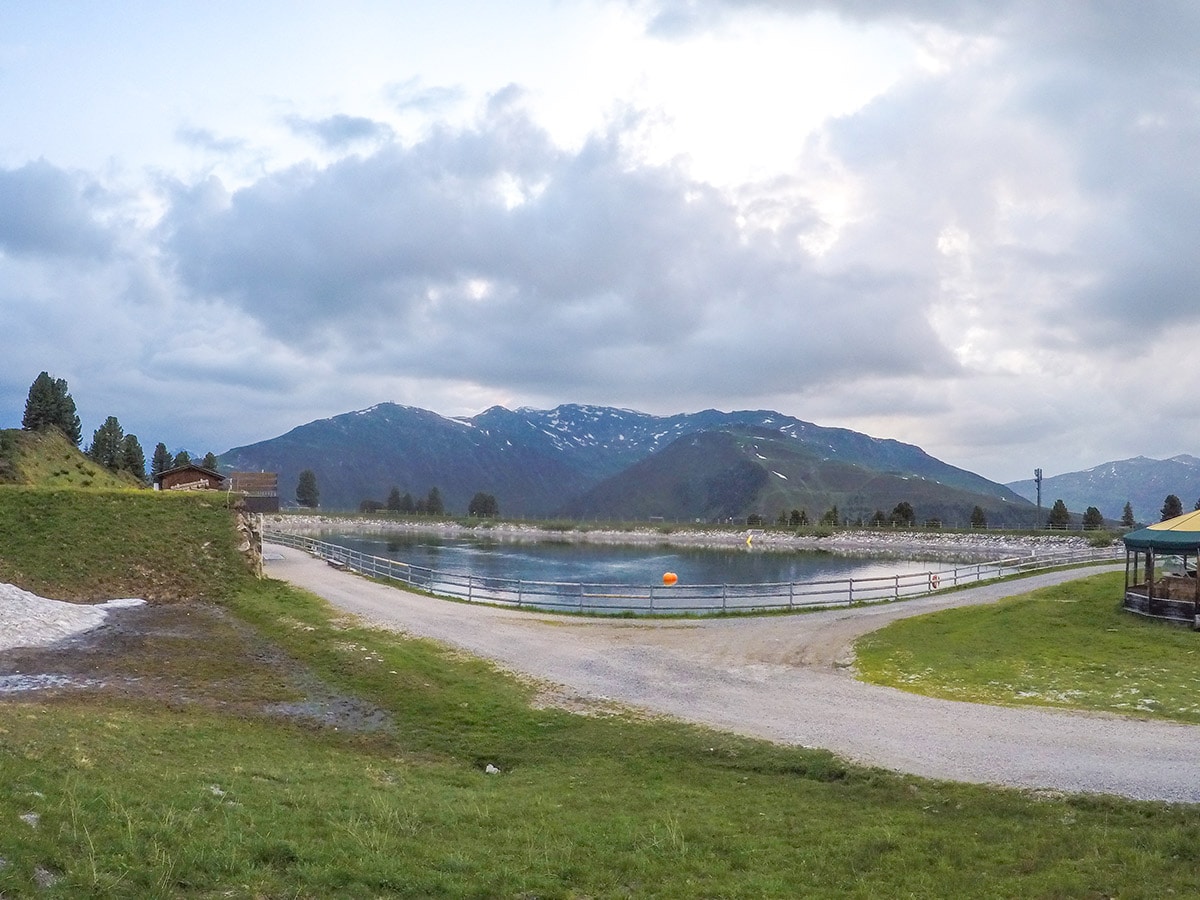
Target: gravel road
(786, 679)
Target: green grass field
(201, 788)
(1067, 646)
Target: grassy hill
(48, 459)
(265, 746)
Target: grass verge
(1068, 646)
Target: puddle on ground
(15, 684)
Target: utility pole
(1037, 479)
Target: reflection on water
(566, 561)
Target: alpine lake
(576, 561)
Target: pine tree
(133, 459)
(105, 449)
(49, 405)
(182, 458)
(978, 518)
(1171, 507)
(1059, 517)
(307, 493)
(903, 514)
(210, 461)
(161, 461)
(393, 500)
(483, 505)
(1127, 516)
(1093, 518)
(433, 503)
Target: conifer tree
(210, 461)
(133, 459)
(1059, 516)
(182, 458)
(307, 493)
(1171, 507)
(161, 461)
(105, 449)
(49, 405)
(393, 500)
(1127, 516)
(978, 518)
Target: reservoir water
(603, 563)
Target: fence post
(850, 591)
(470, 585)
(791, 595)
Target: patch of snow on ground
(27, 620)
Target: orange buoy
(670, 578)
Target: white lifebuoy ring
(933, 581)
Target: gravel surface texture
(789, 679)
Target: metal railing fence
(589, 597)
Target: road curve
(783, 678)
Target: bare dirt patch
(181, 655)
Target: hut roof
(1173, 535)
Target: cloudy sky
(972, 225)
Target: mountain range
(1142, 482)
(602, 462)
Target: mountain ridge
(1141, 481)
(546, 462)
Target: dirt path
(784, 678)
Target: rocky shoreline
(926, 544)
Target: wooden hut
(189, 477)
(260, 490)
(1160, 570)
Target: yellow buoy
(670, 578)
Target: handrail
(594, 597)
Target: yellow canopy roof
(1186, 522)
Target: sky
(971, 225)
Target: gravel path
(784, 678)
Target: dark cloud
(341, 130)
(45, 210)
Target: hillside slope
(91, 545)
(720, 475)
(49, 459)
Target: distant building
(260, 490)
(190, 477)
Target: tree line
(482, 505)
(49, 405)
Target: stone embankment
(886, 542)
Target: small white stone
(491, 770)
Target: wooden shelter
(1160, 570)
(260, 490)
(189, 477)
